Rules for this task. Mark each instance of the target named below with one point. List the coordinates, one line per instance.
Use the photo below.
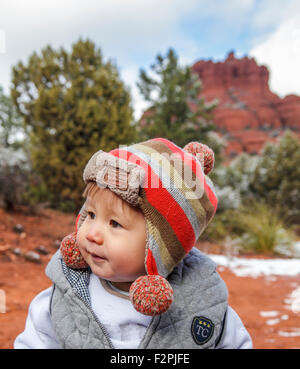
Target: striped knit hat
(171, 187)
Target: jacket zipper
(149, 327)
(96, 318)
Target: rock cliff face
(248, 114)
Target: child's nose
(95, 235)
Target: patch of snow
(284, 317)
(269, 314)
(295, 332)
(243, 267)
(273, 321)
(271, 278)
(273, 314)
(296, 249)
(293, 301)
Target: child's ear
(70, 252)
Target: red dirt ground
(21, 280)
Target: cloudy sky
(133, 32)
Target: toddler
(129, 276)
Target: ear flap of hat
(69, 249)
(70, 252)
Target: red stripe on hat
(77, 220)
(163, 202)
(211, 196)
(151, 264)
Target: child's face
(112, 238)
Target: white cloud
(271, 13)
(2, 42)
(116, 24)
(120, 27)
(281, 53)
(228, 10)
(124, 30)
(131, 32)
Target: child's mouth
(97, 258)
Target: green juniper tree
(10, 122)
(73, 104)
(277, 177)
(176, 111)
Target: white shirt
(126, 326)
(126, 329)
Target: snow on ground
(273, 321)
(270, 268)
(273, 314)
(269, 314)
(296, 247)
(245, 267)
(293, 300)
(295, 332)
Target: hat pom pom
(203, 153)
(151, 294)
(71, 253)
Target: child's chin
(98, 271)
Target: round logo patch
(202, 329)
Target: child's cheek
(80, 238)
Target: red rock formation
(248, 114)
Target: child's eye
(115, 224)
(91, 214)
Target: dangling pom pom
(151, 294)
(203, 153)
(71, 254)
